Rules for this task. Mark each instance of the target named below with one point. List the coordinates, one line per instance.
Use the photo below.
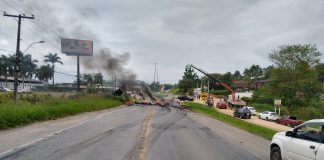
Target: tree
(320, 71)
(92, 79)
(28, 67)
(226, 78)
(44, 73)
(53, 58)
(294, 76)
(7, 66)
(267, 71)
(98, 79)
(255, 71)
(189, 80)
(237, 75)
(87, 78)
(289, 56)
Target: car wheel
(267, 118)
(275, 153)
(292, 125)
(259, 117)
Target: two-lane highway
(148, 132)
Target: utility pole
(154, 77)
(18, 53)
(157, 81)
(115, 82)
(78, 73)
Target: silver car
(252, 109)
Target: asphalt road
(148, 132)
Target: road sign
(74, 47)
(277, 102)
(204, 96)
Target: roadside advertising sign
(74, 47)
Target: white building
(22, 84)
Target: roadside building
(258, 84)
(240, 85)
(22, 83)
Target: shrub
(307, 113)
(248, 100)
(261, 96)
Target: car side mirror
(290, 134)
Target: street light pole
(154, 77)
(32, 45)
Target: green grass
(22, 113)
(249, 127)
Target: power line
(37, 25)
(38, 19)
(65, 74)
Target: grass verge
(249, 127)
(22, 113)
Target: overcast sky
(216, 35)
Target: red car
(289, 121)
(221, 105)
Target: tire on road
(275, 154)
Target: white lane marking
(13, 150)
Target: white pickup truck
(305, 142)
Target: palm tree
(28, 67)
(53, 58)
(44, 73)
(7, 66)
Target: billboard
(74, 47)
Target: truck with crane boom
(231, 100)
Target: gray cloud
(217, 35)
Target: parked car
(252, 109)
(268, 115)
(289, 121)
(4, 89)
(221, 105)
(306, 141)
(185, 98)
(242, 112)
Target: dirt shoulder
(254, 119)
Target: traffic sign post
(277, 104)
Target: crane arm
(218, 81)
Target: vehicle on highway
(4, 89)
(185, 98)
(290, 121)
(221, 105)
(305, 142)
(252, 109)
(268, 115)
(242, 112)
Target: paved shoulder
(177, 134)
